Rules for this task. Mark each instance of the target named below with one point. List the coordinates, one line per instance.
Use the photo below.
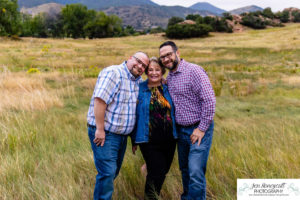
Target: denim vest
(141, 132)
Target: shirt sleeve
(107, 85)
(203, 87)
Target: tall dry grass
(44, 147)
(20, 91)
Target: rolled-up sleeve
(107, 85)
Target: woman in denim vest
(155, 132)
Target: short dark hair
(155, 60)
(169, 43)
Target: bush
(192, 17)
(157, 30)
(253, 22)
(217, 24)
(188, 30)
(267, 12)
(284, 16)
(128, 30)
(175, 20)
(222, 26)
(227, 15)
(296, 15)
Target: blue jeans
(192, 162)
(108, 160)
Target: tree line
(201, 26)
(74, 20)
(264, 18)
(77, 21)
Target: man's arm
(203, 87)
(99, 110)
(107, 85)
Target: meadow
(46, 86)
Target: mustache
(175, 63)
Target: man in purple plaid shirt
(194, 101)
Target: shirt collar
(180, 67)
(130, 76)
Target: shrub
(217, 24)
(187, 30)
(284, 16)
(253, 22)
(222, 26)
(227, 15)
(175, 20)
(267, 12)
(296, 15)
(157, 30)
(192, 17)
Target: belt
(91, 126)
(188, 126)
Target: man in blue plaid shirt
(111, 117)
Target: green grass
(45, 151)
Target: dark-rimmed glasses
(168, 55)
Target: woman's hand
(134, 148)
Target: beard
(173, 67)
(175, 63)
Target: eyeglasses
(168, 55)
(140, 62)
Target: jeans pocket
(205, 142)
(100, 152)
(103, 152)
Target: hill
(147, 16)
(51, 9)
(241, 10)
(91, 4)
(207, 7)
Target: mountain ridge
(208, 7)
(91, 4)
(51, 9)
(138, 16)
(244, 9)
(147, 16)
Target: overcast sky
(276, 5)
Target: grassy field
(46, 86)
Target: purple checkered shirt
(192, 95)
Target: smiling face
(169, 58)
(137, 64)
(154, 73)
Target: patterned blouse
(160, 122)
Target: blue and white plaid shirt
(118, 88)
